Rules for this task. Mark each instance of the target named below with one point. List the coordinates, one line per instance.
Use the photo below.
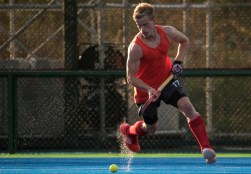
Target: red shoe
(131, 141)
(209, 155)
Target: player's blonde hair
(143, 9)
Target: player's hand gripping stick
(177, 69)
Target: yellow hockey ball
(113, 168)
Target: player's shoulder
(134, 50)
(134, 47)
(168, 29)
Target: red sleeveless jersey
(155, 65)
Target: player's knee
(151, 129)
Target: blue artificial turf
(146, 165)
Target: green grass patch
(117, 155)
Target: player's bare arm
(133, 61)
(176, 36)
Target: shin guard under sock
(198, 128)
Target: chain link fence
(82, 112)
(52, 117)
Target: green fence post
(11, 114)
(71, 94)
(70, 34)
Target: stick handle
(165, 82)
(150, 100)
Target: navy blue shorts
(170, 95)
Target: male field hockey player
(148, 66)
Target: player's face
(145, 26)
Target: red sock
(136, 129)
(198, 128)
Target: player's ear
(151, 18)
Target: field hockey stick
(151, 99)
